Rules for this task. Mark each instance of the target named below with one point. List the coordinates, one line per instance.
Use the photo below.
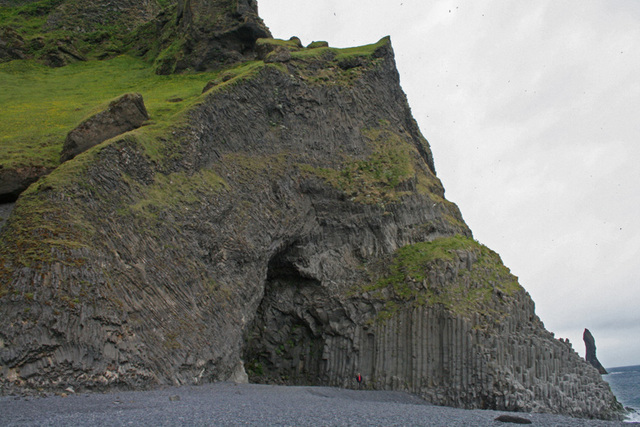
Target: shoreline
(226, 404)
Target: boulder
(317, 44)
(123, 114)
(513, 419)
(281, 54)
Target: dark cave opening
(284, 343)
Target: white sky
(532, 110)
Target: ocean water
(625, 384)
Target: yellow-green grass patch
(40, 105)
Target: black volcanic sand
(226, 404)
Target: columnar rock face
(289, 224)
(590, 354)
(486, 350)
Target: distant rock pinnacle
(590, 344)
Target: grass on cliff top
(414, 266)
(40, 105)
(341, 53)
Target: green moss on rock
(455, 272)
(178, 191)
(378, 178)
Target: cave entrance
(284, 343)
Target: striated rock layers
(289, 225)
(590, 353)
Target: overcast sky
(532, 110)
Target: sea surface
(625, 384)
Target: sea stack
(590, 344)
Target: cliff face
(288, 226)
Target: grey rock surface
(12, 45)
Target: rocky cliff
(287, 226)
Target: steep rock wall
(156, 248)
(452, 338)
(268, 226)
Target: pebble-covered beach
(226, 404)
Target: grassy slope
(40, 105)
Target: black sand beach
(226, 404)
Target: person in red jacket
(359, 379)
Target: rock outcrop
(288, 226)
(89, 16)
(590, 353)
(5, 210)
(123, 114)
(178, 35)
(12, 45)
(201, 35)
(14, 180)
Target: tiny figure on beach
(359, 379)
